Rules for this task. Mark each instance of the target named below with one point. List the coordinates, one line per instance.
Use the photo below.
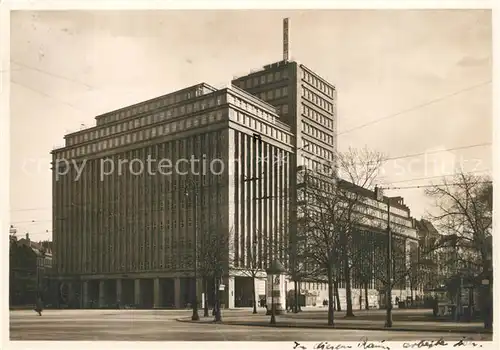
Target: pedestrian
(39, 306)
(435, 307)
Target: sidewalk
(364, 320)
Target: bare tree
(214, 257)
(319, 241)
(334, 209)
(253, 268)
(465, 217)
(359, 169)
(363, 265)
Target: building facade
(307, 103)
(370, 245)
(133, 194)
(125, 234)
(30, 266)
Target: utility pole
(388, 321)
(195, 316)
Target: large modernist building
(126, 235)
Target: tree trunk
(299, 297)
(254, 295)
(367, 306)
(348, 289)
(205, 297)
(296, 294)
(218, 317)
(337, 296)
(331, 321)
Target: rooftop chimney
(379, 194)
(27, 237)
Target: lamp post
(388, 321)
(195, 316)
(380, 197)
(276, 268)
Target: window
(270, 77)
(262, 79)
(285, 109)
(285, 91)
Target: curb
(288, 325)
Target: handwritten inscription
(364, 343)
(425, 344)
(324, 345)
(465, 341)
(440, 342)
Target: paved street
(143, 325)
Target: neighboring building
(371, 237)
(128, 238)
(30, 269)
(437, 261)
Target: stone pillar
(177, 292)
(119, 292)
(229, 282)
(85, 294)
(137, 292)
(157, 293)
(102, 294)
(256, 283)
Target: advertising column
(275, 285)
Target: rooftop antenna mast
(286, 49)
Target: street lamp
(380, 197)
(195, 316)
(276, 269)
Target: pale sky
(69, 66)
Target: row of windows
(317, 133)
(315, 165)
(249, 83)
(317, 100)
(44, 262)
(165, 101)
(317, 117)
(142, 135)
(273, 94)
(259, 126)
(282, 110)
(252, 109)
(383, 206)
(146, 120)
(317, 83)
(178, 261)
(320, 151)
